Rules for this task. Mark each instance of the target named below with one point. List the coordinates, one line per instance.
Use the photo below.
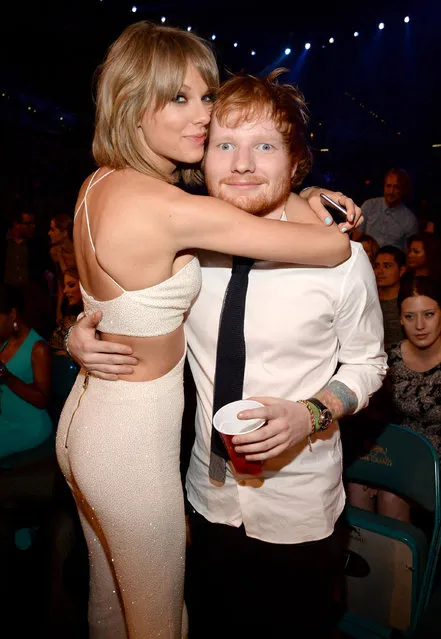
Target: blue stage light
(287, 51)
(253, 52)
(235, 45)
(307, 46)
(213, 37)
(381, 26)
(331, 40)
(406, 19)
(356, 34)
(134, 9)
(163, 19)
(188, 28)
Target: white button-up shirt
(303, 328)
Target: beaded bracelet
(66, 340)
(311, 413)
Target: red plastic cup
(228, 425)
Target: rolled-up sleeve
(359, 328)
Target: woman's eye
(180, 98)
(208, 98)
(225, 146)
(408, 317)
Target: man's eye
(265, 146)
(225, 146)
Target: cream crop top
(156, 310)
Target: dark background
(374, 100)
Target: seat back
(401, 461)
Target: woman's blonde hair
(144, 69)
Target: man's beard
(259, 205)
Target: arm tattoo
(338, 398)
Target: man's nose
(243, 161)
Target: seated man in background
(387, 218)
(389, 266)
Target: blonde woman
(62, 254)
(135, 237)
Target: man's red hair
(244, 98)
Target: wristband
(66, 340)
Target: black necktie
(230, 356)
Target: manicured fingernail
(328, 220)
(344, 230)
(351, 218)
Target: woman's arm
(209, 223)
(36, 393)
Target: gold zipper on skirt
(85, 384)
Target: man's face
(248, 165)
(27, 226)
(387, 272)
(393, 193)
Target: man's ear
(293, 170)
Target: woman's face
(177, 133)
(55, 234)
(416, 255)
(6, 326)
(72, 289)
(421, 319)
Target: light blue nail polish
(344, 230)
(328, 220)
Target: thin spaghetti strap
(91, 184)
(84, 198)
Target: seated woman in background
(62, 254)
(424, 255)
(72, 293)
(413, 383)
(25, 378)
(64, 368)
(414, 378)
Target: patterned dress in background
(416, 397)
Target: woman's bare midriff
(156, 355)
